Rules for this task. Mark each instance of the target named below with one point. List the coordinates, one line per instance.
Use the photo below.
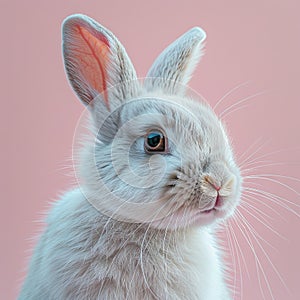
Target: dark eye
(155, 142)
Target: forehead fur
(183, 119)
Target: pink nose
(216, 187)
(212, 183)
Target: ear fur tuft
(173, 68)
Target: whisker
(255, 200)
(266, 225)
(252, 248)
(274, 199)
(229, 92)
(236, 246)
(249, 150)
(278, 151)
(241, 101)
(280, 176)
(252, 154)
(257, 234)
(263, 177)
(259, 211)
(254, 162)
(232, 252)
(233, 110)
(267, 256)
(243, 257)
(269, 164)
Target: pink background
(258, 41)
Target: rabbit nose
(223, 187)
(215, 186)
(211, 181)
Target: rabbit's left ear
(173, 68)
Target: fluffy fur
(140, 226)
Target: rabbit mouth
(185, 217)
(208, 216)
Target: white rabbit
(157, 177)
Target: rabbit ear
(173, 68)
(95, 61)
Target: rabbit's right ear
(95, 61)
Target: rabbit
(157, 176)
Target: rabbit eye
(155, 142)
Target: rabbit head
(157, 155)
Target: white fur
(137, 228)
(77, 259)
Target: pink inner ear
(92, 59)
